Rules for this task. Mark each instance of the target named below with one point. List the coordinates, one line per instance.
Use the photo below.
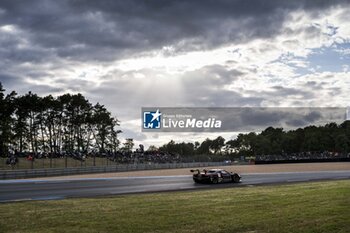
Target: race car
(215, 176)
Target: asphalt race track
(21, 190)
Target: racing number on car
(220, 177)
(226, 176)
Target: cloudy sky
(205, 53)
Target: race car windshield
(211, 171)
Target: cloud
(9, 80)
(129, 54)
(88, 30)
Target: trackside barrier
(31, 173)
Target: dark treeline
(66, 123)
(70, 123)
(330, 137)
(272, 141)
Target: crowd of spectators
(324, 155)
(143, 157)
(155, 157)
(122, 157)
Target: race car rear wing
(196, 170)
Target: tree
(341, 143)
(231, 146)
(204, 148)
(152, 148)
(6, 121)
(196, 145)
(104, 131)
(128, 144)
(67, 123)
(217, 144)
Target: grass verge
(306, 207)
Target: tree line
(271, 141)
(70, 123)
(66, 123)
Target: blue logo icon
(152, 120)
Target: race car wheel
(235, 178)
(215, 181)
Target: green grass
(306, 207)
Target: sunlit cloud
(129, 55)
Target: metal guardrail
(31, 173)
